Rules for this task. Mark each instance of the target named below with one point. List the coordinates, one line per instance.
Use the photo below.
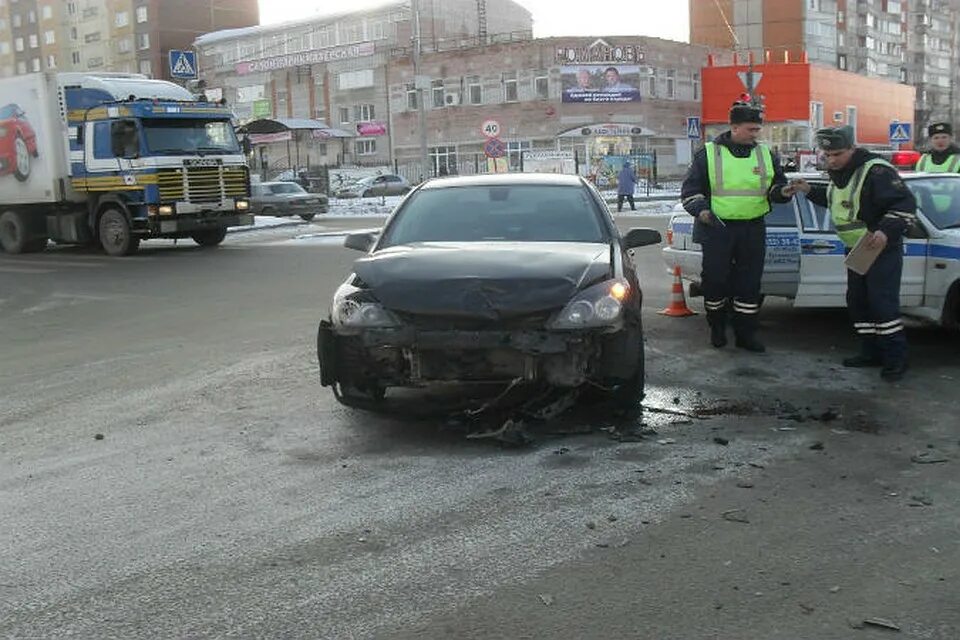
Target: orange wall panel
(878, 102)
(784, 87)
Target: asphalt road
(171, 468)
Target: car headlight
(354, 307)
(598, 306)
(242, 205)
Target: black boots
(745, 330)
(718, 328)
(861, 361)
(894, 372)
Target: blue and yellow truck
(113, 159)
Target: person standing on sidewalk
(728, 190)
(626, 185)
(868, 200)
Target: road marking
(57, 300)
(48, 262)
(6, 269)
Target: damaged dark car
(519, 278)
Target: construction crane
(482, 20)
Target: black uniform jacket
(695, 193)
(885, 202)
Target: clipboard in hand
(861, 257)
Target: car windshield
(188, 137)
(287, 187)
(939, 200)
(525, 213)
(8, 111)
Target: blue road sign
(183, 64)
(694, 131)
(901, 132)
(495, 148)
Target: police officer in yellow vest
(728, 190)
(867, 198)
(944, 155)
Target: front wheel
(116, 237)
(22, 153)
(307, 217)
(209, 237)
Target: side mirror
(360, 241)
(641, 237)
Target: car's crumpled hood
(482, 280)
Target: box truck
(115, 159)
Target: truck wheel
(22, 170)
(307, 217)
(15, 236)
(116, 237)
(210, 237)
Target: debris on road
(735, 515)
(511, 433)
(666, 441)
(98, 436)
(880, 622)
(929, 457)
(834, 589)
(546, 599)
(816, 446)
(721, 441)
(920, 501)
(745, 485)
(591, 525)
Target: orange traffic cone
(678, 304)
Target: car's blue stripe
(944, 251)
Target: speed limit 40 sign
(490, 128)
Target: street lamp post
(418, 88)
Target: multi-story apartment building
(334, 68)
(907, 41)
(131, 36)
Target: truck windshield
(939, 200)
(188, 137)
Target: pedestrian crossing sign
(900, 132)
(183, 64)
(694, 131)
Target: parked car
(805, 257)
(18, 142)
(286, 199)
(490, 279)
(373, 186)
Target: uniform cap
(940, 127)
(742, 112)
(835, 138)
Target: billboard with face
(601, 83)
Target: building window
(141, 15)
(842, 61)
(46, 12)
(852, 121)
(696, 85)
(92, 37)
(51, 62)
(283, 99)
(510, 87)
(443, 161)
(355, 79)
(474, 90)
(73, 34)
(143, 41)
(541, 87)
(146, 68)
(93, 63)
(344, 115)
(72, 8)
(32, 17)
(17, 23)
(122, 19)
(411, 96)
(21, 67)
(515, 154)
(671, 84)
(75, 57)
(4, 48)
(125, 45)
(18, 44)
(366, 147)
(35, 64)
(34, 41)
(363, 113)
(816, 115)
(652, 83)
(436, 90)
(49, 37)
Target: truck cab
(805, 258)
(127, 158)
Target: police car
(805, 257)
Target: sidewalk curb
(277, 225)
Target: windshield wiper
(170, 152)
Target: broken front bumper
(413, 357)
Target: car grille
(202, 184)
(536, 321)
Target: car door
(781, 269)
(378, 187)
(823, 274)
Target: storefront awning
(607, 129)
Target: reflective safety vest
(845, 204)
(739, 186)
(926, 163)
